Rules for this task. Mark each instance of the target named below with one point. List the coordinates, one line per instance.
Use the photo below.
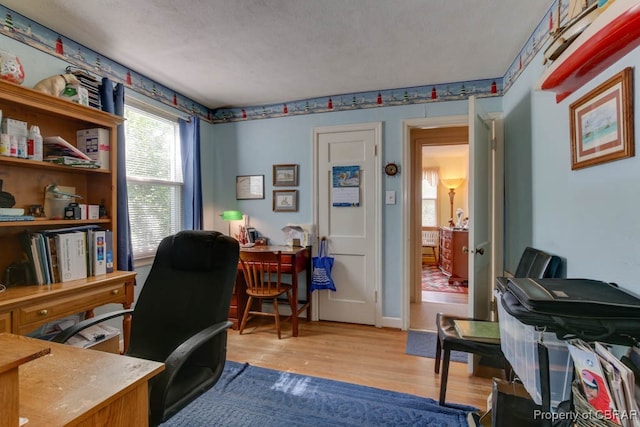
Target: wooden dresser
(453, 261)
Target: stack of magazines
(59, 151)
(609, 384)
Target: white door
(352, 232)
(480, 206)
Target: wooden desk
(295, 260)
(79, 387)
(25, 308)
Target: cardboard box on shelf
(93, 211)
(95, 144)
(14, 127)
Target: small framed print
(249, 187)
(602, 127)
(285, 200)
(285, 175)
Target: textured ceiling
(234, 53)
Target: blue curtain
(113, 102)
(192, 194)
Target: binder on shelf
(89, 246)
(108, 241)
(42, 257)
(98, 252)
(72, 255)
(48, 257)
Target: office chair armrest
(181, 353)
(176, 359)
(63, 336)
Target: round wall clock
(391, 169)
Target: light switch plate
(390, 198)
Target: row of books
(68, 254)
(610, 385)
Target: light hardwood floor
(422, 314)
(357, 354)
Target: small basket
(585, 415)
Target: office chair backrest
(535, 263)
(188, 288)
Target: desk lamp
(231, 216)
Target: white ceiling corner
(254, 52)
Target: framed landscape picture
(602, 123)
(285, 175)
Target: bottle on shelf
(22, 147)
(34, 143)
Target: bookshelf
(26, 181)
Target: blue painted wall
(587, 216)
(252, 147)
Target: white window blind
(154, 177)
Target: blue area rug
(422, 343)
(247, 395)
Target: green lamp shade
(231, 215)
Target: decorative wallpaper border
(24, 30)
(404, 96)
(373, 99)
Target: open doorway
(439, 208)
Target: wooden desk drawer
(5, 322)
(34, 315)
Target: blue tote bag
(322, 265)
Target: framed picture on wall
(602, 123)
(249, 187)
(285, 175)
(285, 200)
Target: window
(154, 176)
(430, 197)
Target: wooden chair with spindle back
(263, 277)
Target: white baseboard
(392, 322)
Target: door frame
(409, 268)
(376, 127)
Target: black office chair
(533, 263)
(180, 318)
